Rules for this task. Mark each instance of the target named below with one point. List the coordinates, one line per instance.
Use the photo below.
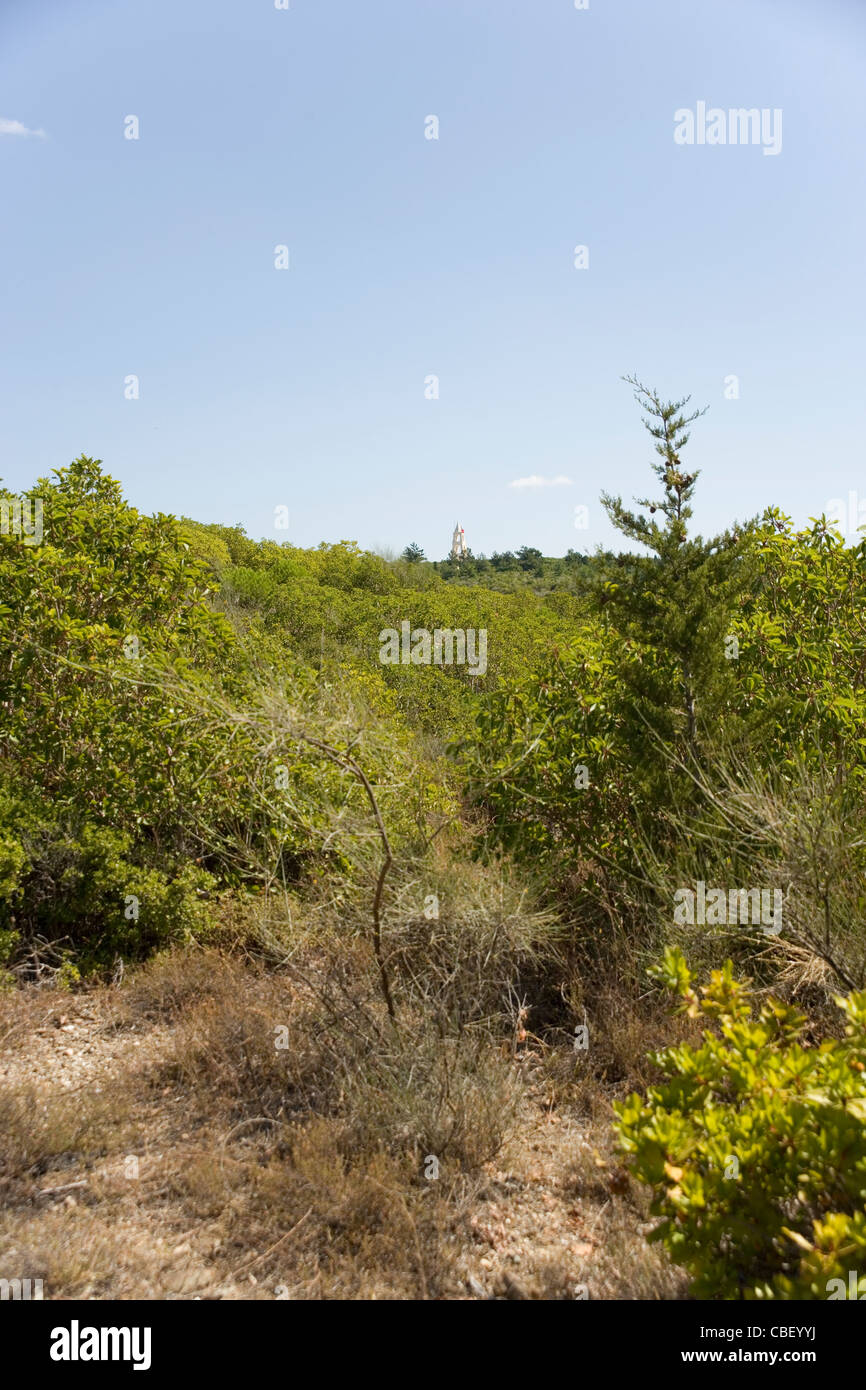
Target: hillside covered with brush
(381, 920)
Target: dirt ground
(119, 1182)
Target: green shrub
(78, 884)
(755, 1146)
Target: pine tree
(413, 554)
(673, 606)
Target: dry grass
(284, 1047)
(41, 1130)
(217, 1164)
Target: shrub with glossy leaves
(755, 1146)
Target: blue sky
(411, 257)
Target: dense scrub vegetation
(755, 1146)
(200, 745)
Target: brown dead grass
(180, 1153)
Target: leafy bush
(116, 782)
(801, 633)
(755, 1145)
(85, 887)
(87, 616)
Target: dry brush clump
(279, 1047)
(43, 1129)
(208, 1162)
(312, 1108)
(287, 1055)
(798, 836)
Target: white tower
(458, 543)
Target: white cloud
(8, 127)
(535, 481)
